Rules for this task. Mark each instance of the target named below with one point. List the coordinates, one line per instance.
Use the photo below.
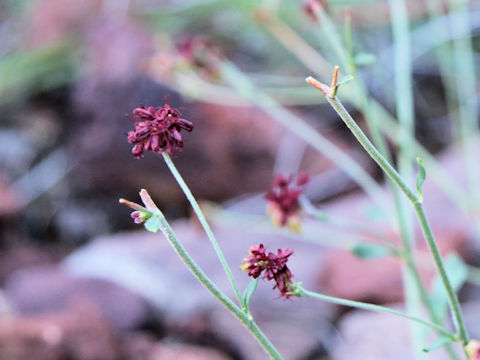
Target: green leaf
(420, 178)
(369, 251)
(457, 273)
(249, 291)
(153, 224)
(442, 341)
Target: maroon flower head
(273, 266)
(157, 130)
(282, 199)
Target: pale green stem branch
(418, 207)
(377, 308)
(405, 115)
(303, 130)
(204, 223)
(466, 86)
(245, 319)
(358, 97)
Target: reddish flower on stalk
(273, 266)
(157, 130)
(282, 200)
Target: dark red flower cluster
(283, 205)
(157, 130)
(273, 266)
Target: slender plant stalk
(377, 308)
(457, 58)
(301, 49)
(416, 203)
(464, 69)
(439, 175)
(358, 95)
(289, 38)
(372, 110)
(197, 88)
(296, 45)
(455, 309)
(245, 319)
(204, 223)
(405, 115)
(303, 130)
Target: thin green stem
(303, 130)
(204, 223)
(319, 215)
(418, 207)
(371, 149)
(439, 175)
(295, 44)
(452, 297)
(194, 86)
(403, 68)
(456, 57)
(405, 115)
(466, 86)
(357, 94)
(372, 110)
(246, 320)
(377, 308)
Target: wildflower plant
(284, 198)
(283, 204)
(158, 129)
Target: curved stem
(388, 126)
(378, 308)
(204, 223)
(302, 129)
(452, 298)
(246, 320)
(371, 149)
(418, 207)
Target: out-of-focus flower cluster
(273, 266)
(191, 53)
(283, 206)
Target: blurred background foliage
(71, 70)
(75, 68)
